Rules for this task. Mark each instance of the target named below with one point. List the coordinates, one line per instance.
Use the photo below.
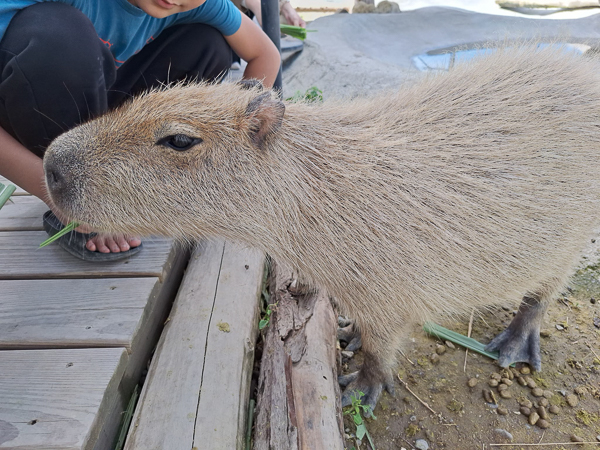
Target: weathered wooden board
(21, 258)
(72, 313)
(55, 399)
(22, 214)
(18, 191)
(195, 392)
(223, 406)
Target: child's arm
(21, 166)
(255, 47)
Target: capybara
(471, 188)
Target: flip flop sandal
(74, 242)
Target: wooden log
(298, 395)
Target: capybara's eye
(179, 142)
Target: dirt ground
(463, 419)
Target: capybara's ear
(265, 115)
(251, 84)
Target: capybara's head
(175, 151)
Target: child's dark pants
(55, 72)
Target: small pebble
(525, 370)
(525, 411)
(554, 409)
(503, 433)
(434, 358)
(412, 419)
(581, 391)
(548, 394)
(505, 394)
(543, 402)
(526, 403)
(543, 423)
(559, 327)
(575, 438)
(542, 412)
(593, 301)
(506, 373)
(537, 392)
(347, 354)
(502, 411)
(533, 418)
(572, 400)
(598, 438)
(521, 381)
(502, 387)
(421, 444)
(545, 333)
(450, 345)
(496, 376)
(472, 382)
(440, 349)
(507, 381)
(532, 384)
(515, 372)
(493, 383)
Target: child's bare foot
(104, 243)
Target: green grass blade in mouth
(70, 227)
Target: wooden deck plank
(20, 258)
(223, 406)
(217, 292)
(166, 410)
(22, 214)
(18, 191)
(55, 399)
(72, 313)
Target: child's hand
(291, 16)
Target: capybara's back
(471, 188)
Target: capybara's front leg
(520, 341)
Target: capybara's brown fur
(467, 189)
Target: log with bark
(298, 405)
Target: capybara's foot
(368, 383)
(517, 346)
(364, 388)
(520, 342)
(348, 333)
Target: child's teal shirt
(125, 28)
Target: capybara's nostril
(54, 178)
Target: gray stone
(422, 444)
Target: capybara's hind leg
(520, 342)
(368, 383)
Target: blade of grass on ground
(5, 193)
(464, 341)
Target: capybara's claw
(365, 386)
(351, 336)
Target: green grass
(464, 341)
(5, 193)
(297, 32)
(355, 411)
(70, 227)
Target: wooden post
(298, 394)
